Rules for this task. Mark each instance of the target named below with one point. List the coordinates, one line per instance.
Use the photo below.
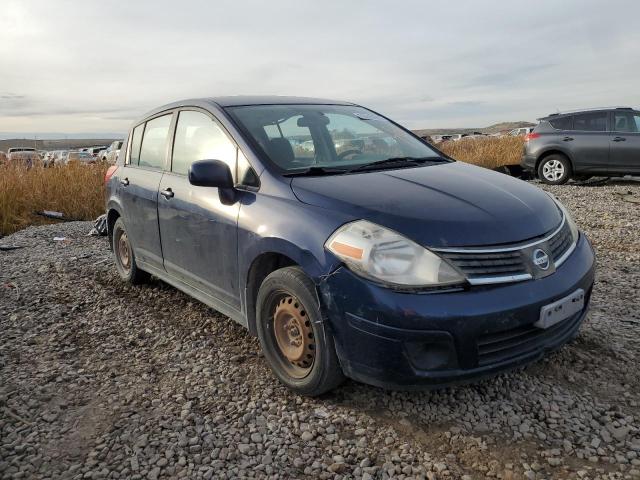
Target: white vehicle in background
(82, 158)
(456, 137)
(110, 155)
(440, 138)
(47, 159)
(95, 151)
(60, 157)
(520, 132)
(23, 156)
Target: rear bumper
(429, 340)
(528, 162)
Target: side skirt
(205, 298)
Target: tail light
(110, 171)
(531, 136)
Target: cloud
(69, 65)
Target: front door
(198, 232)
(139, 182)
(624, 150)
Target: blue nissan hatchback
(348, 245)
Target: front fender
(298, 232)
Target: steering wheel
(346, 153)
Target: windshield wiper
(316, 172)
(395, 162)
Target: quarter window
(564, 123)
(198, 137)
(154, 142)
(136, 140)
(590, 122)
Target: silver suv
(580, 144)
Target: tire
(124, 256)
(554, 169)
(288, 297)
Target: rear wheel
(554, 169)
(294, 337)
(124, 256)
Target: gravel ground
(99, 379)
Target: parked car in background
(59, 157)
(441, 138)
(580, 144)
(80, 157)
(456, 137)
(94, 151)
(517, 132)
(110, 154)
(23, 156)
(47, 159)
(393, 264)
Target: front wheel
(294, 337)
(554, 170)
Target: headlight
(568, 219)
(387, 257)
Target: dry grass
(490, 152)
(75, 190)
(78, 190)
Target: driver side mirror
(210, 173)
(214, 173)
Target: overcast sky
(93, 66)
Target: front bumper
(432, 339)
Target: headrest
(281, 151)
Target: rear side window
(590, 122)
(154, 142)
(563, 123)
(198, 137)
(136, 140)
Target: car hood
(442, 205)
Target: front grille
(508, 344)
(508, 263)
(560, 242)
(480, 265)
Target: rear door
(624, 154)
(198, 232)
(138, 187)
(588, 142)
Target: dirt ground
(99, 379)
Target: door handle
(567, 139)
(124, 182)
(619, 139)
(167, 194)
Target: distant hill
(497, 128)
(59, 144)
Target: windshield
(296, 137)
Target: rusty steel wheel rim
(294, 335)
(124, 252)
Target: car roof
(585, 110)
(238, 100)
(242, 100)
